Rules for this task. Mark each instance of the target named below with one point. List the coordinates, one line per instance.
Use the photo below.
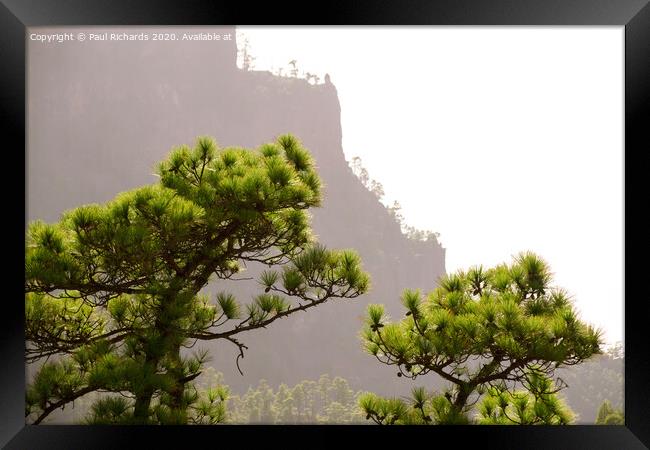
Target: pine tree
(283, 404)
(114, 291)
(478, 329)
(607, 415)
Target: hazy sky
(501, 139)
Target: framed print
(395, 215)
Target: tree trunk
(142, 408)
(464, 391)
(179, 411)
(142, 405)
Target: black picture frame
(634, 15)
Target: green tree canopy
(327, 401)
(480, 328)
(607, 415)
(114, 290)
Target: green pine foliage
(607, 415)
(537, 404)
(113, 291)
(481, 329)
(423, 408)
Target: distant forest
(332, 400)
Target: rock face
(102, 114)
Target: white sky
(501, 139)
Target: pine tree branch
(53, 406)
(206, 336)
(504, 372)
(57, 345)
(189, 378)
(241, 352)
